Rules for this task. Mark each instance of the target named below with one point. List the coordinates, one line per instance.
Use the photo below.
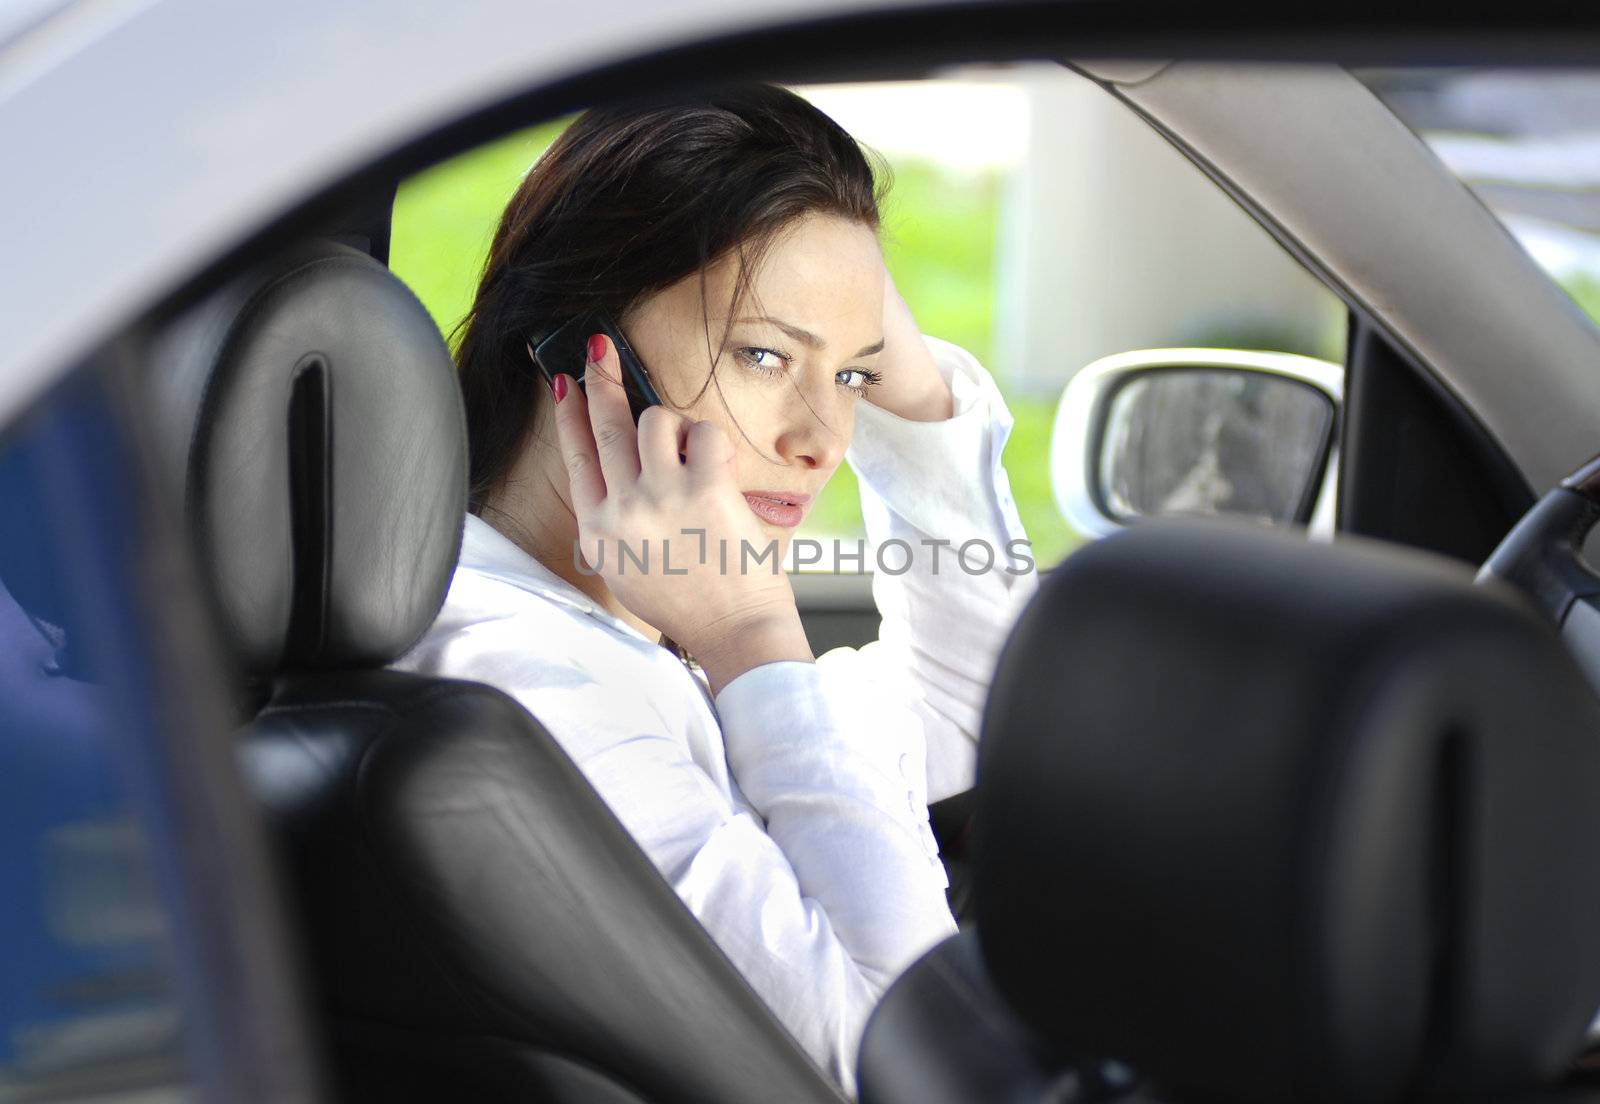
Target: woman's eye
(857, 379)
(753, 357)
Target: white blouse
(792, 817)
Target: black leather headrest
(311, 418)
(1273, 821)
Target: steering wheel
(1542, 556)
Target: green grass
(939, 233)
(445, 217)
(1027, 461)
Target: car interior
(1378, 834)
(1321, 830)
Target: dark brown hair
(630, 199)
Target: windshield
(1528, 144)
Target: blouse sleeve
(952, 563)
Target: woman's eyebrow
(806, 337)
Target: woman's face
(799, 355)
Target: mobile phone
(566, 350)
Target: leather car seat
(1267, 821)
(477, 924)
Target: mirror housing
(1198, 432)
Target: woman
(733, 235)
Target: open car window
(1033, 221)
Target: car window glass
(1527, 142)
(1033, 221)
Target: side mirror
(1198, 432)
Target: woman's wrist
(769, 636)
(912, 387)
(934, 404)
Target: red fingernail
(559, 386)
(597, 348)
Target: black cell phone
(567, 351)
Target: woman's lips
(781, 508)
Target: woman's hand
(674, 539)
(912, 386)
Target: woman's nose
(815, 437)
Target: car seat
(476, 922)
(1264, 821)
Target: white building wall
(1111, 240)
